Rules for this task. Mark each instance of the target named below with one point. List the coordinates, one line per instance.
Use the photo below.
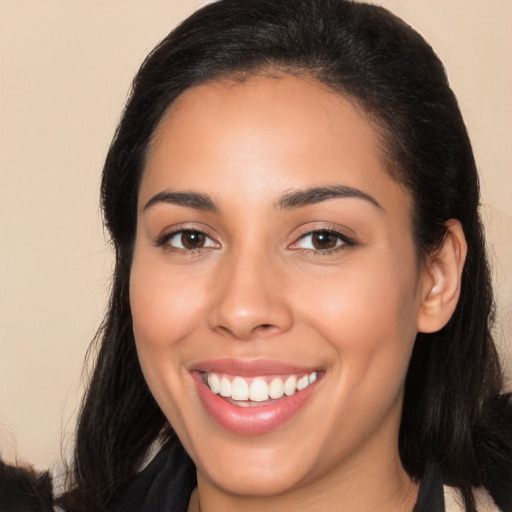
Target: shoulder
(22, 489)
(454, 502)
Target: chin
(260, 466)
(255, 481)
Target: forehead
(265, 133)
(281, 104)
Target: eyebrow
(189, 199)
(290, 200)
(306, 197)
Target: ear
(441, 280)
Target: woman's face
(274, 258)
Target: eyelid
(347, 241)
(167, 235)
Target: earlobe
(442, 280)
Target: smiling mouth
(256, 391)
(253, 397)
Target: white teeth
(214, 383)
(258, 390)
(225, 387)
(290, 385)
(276, 388)
(302, 383)
(239, 389)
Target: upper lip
(250, 368)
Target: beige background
(65, 68)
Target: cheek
(166, 307)
(165, 304)
(368, 314)
(368, 319)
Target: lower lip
(252, 420)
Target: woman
(301, 306)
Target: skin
(259, 288)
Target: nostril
(263, 327)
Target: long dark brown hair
(453, 412)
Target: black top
(166, 484)
(431, 492)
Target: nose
(250, 300)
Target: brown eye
(324, 240)
(192, 239)
(187, 240)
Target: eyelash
(342, 241)
(165, 240)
